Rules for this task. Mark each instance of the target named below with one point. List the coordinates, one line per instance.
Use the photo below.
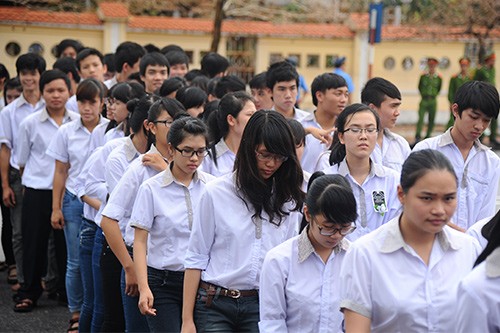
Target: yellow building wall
(47, 37)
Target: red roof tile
(429, 33)
(24, 15)
(114, 10)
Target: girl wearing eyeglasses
(403, 277)
(240, 217)
(116, 215)
(299, 281)
(162, 217)
(226, 126)
(374, 186)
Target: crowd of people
(146, 196)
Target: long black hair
(270, 129)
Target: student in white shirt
(116, 104)
(476, 105)
(384, 97)
(242, 216)
(373, 185)
(300, 281)
(69, 148)
(299, 138)
(162, 217)
(478, 306)
(226, 126)
(330, 96)
(37, 170)
(116, 215)
(29, 67)
(403, 277)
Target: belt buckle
(234, 293)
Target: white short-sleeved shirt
(373, 211)
(478, 305)
(71, 145)
(88, 212)
(72, 104)
(298, 291)
(121, 201)
(324, 160)
(111, 82)
(118, 160)
(97, 137)
(394, 152)
(225, 242)
(168, 225)
(114, 133)
(478, 178)
(298, 114)
(383, 278)
(225, 160)
(35, 133)
(10, 119)
(313, 147)
(475, 231)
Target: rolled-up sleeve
(58, 147)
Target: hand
(57, 219)
(322, 135)
(9, 198)
(188, 327)
(131, 288)
(155, 161)
(146, 300)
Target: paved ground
(50, 317)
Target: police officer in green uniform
(456, 82)
(429, 87)
(487, 74)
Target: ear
(307, 215)
(319, 96)
(104, 68)
(231, 120)
(341, 137)
(401, 195)
(454, 110)
(372, 106)
(150, 126)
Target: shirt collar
(130, 151)
(306, 248)
(446, 139)
(101, 121)
(168, 177)
(375, 169)
(310, 117)
(493, 264)
(393, 240)
(389, 135)
(21, 101)
(68, 116)
(221, 147)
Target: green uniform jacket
(456, 82)
(429, 85)
(485, 74)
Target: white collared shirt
(35, 133)
(225, 160)
(298, 114)
(118, 160)
(121, 201)
(114, 133)
(298, 291)
(381, 180)
(478, 178)
(475, 231)
(10, 119)
(478, 305)
(168, 225)
(225, 242)
(97, 137)
(383, 278)
(88, 212)
(72, 104)
(313, 147)
(71, 145)
(394, 152)
(111, 82)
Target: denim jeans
(87, 235)
(134, 320)
(226, 314)
(72, 210)
(166, 287)
(98, 314)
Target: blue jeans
(98, 314)
(87, 235)
(166, 287)
(72, 210)
(135, 321)
(226, 314)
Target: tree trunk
(219, 17)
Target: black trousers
(111, 271)
(36, 228)
(7, 234)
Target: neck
(287, 113)
(140, 142)
(324, 119)
(164, 151)
(184, 178)
(120, 77)
(419, 240)
(32, 96)
(461, 142)
(232, 141)
(358, 168)
(56, 112)
(91, 125)
(322, 251)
